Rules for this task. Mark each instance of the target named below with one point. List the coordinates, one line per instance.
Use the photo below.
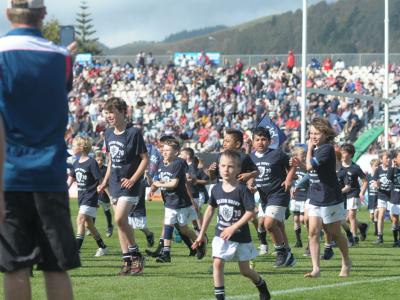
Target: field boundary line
(314, 288)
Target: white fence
(351, 59)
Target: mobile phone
(67, 35)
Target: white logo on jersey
(226, 212)
(79, 176)
(114, 151)
(261, 169)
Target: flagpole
(304, 75)
(386, 83)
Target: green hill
(341, 27)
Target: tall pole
(304, 75)
(386, 84)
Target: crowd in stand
(196, 101)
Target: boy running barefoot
(232, 241)
(326, 203)
(87, 174)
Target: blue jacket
(35, 77)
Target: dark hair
(116, 103)
(166, 138)
(349, 148)
(195, 161)
(173, 143)
(232, 154)
(237, 135)
(262, 131)
(190, 151)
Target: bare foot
(312, 275)
(345, 272)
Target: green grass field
(375, 274)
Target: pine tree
(85, 31)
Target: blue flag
(277, 135)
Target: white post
(304, 75)
(386, 84)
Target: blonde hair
(383, 153)
(374, 161)
(84, 144)
(299, 151)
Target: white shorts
(371, 211)
(353, 203)
(199, 202)
(395, 209)
(202, 198)
(88, 211)
(138, 222)
(297, 206)
(131, 200)
(328, 214)
(257, 197)
(228, 250)
(382, 204)
(276, 212)
(261, 212)
(105, 206)
(182, 216)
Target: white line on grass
(314, 288)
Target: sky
(119, 22)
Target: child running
(232, 241)
(104, 200)
(126, 166)
(326, 204)
(177, 202)
(373, 195)
(273, 184)
(87, 174)
(299, 195)
(383, 184)
(350, 173)
(394, 177)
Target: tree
(51, 31)
(85, 31)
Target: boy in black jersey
(127, 163)
(299, 195)
(273, 184)
(373, 195)
(383, 184)
(104, 200)
(233, 140)
(87, 174)
(232, 241)
(350, 173)
(394, 177)
(177, 201)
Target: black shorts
(37, 231)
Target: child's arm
(363, 187)
(70, 181)
(173, 183)
(212, 171)
(244, 177)
(310, 148)
(227, 233)
(208, 214)
(129, 182)
(289, 178)
(104, 183)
